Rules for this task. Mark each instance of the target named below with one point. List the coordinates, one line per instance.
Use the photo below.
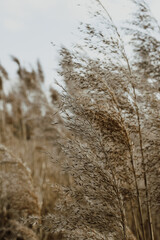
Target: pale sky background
(27, 28)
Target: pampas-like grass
(13, 230)
(17, 197)
(110, 147)
(26, 130)
(106, 152)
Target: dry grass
(28, 176)
(93, 172)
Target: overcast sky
(27, 28)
